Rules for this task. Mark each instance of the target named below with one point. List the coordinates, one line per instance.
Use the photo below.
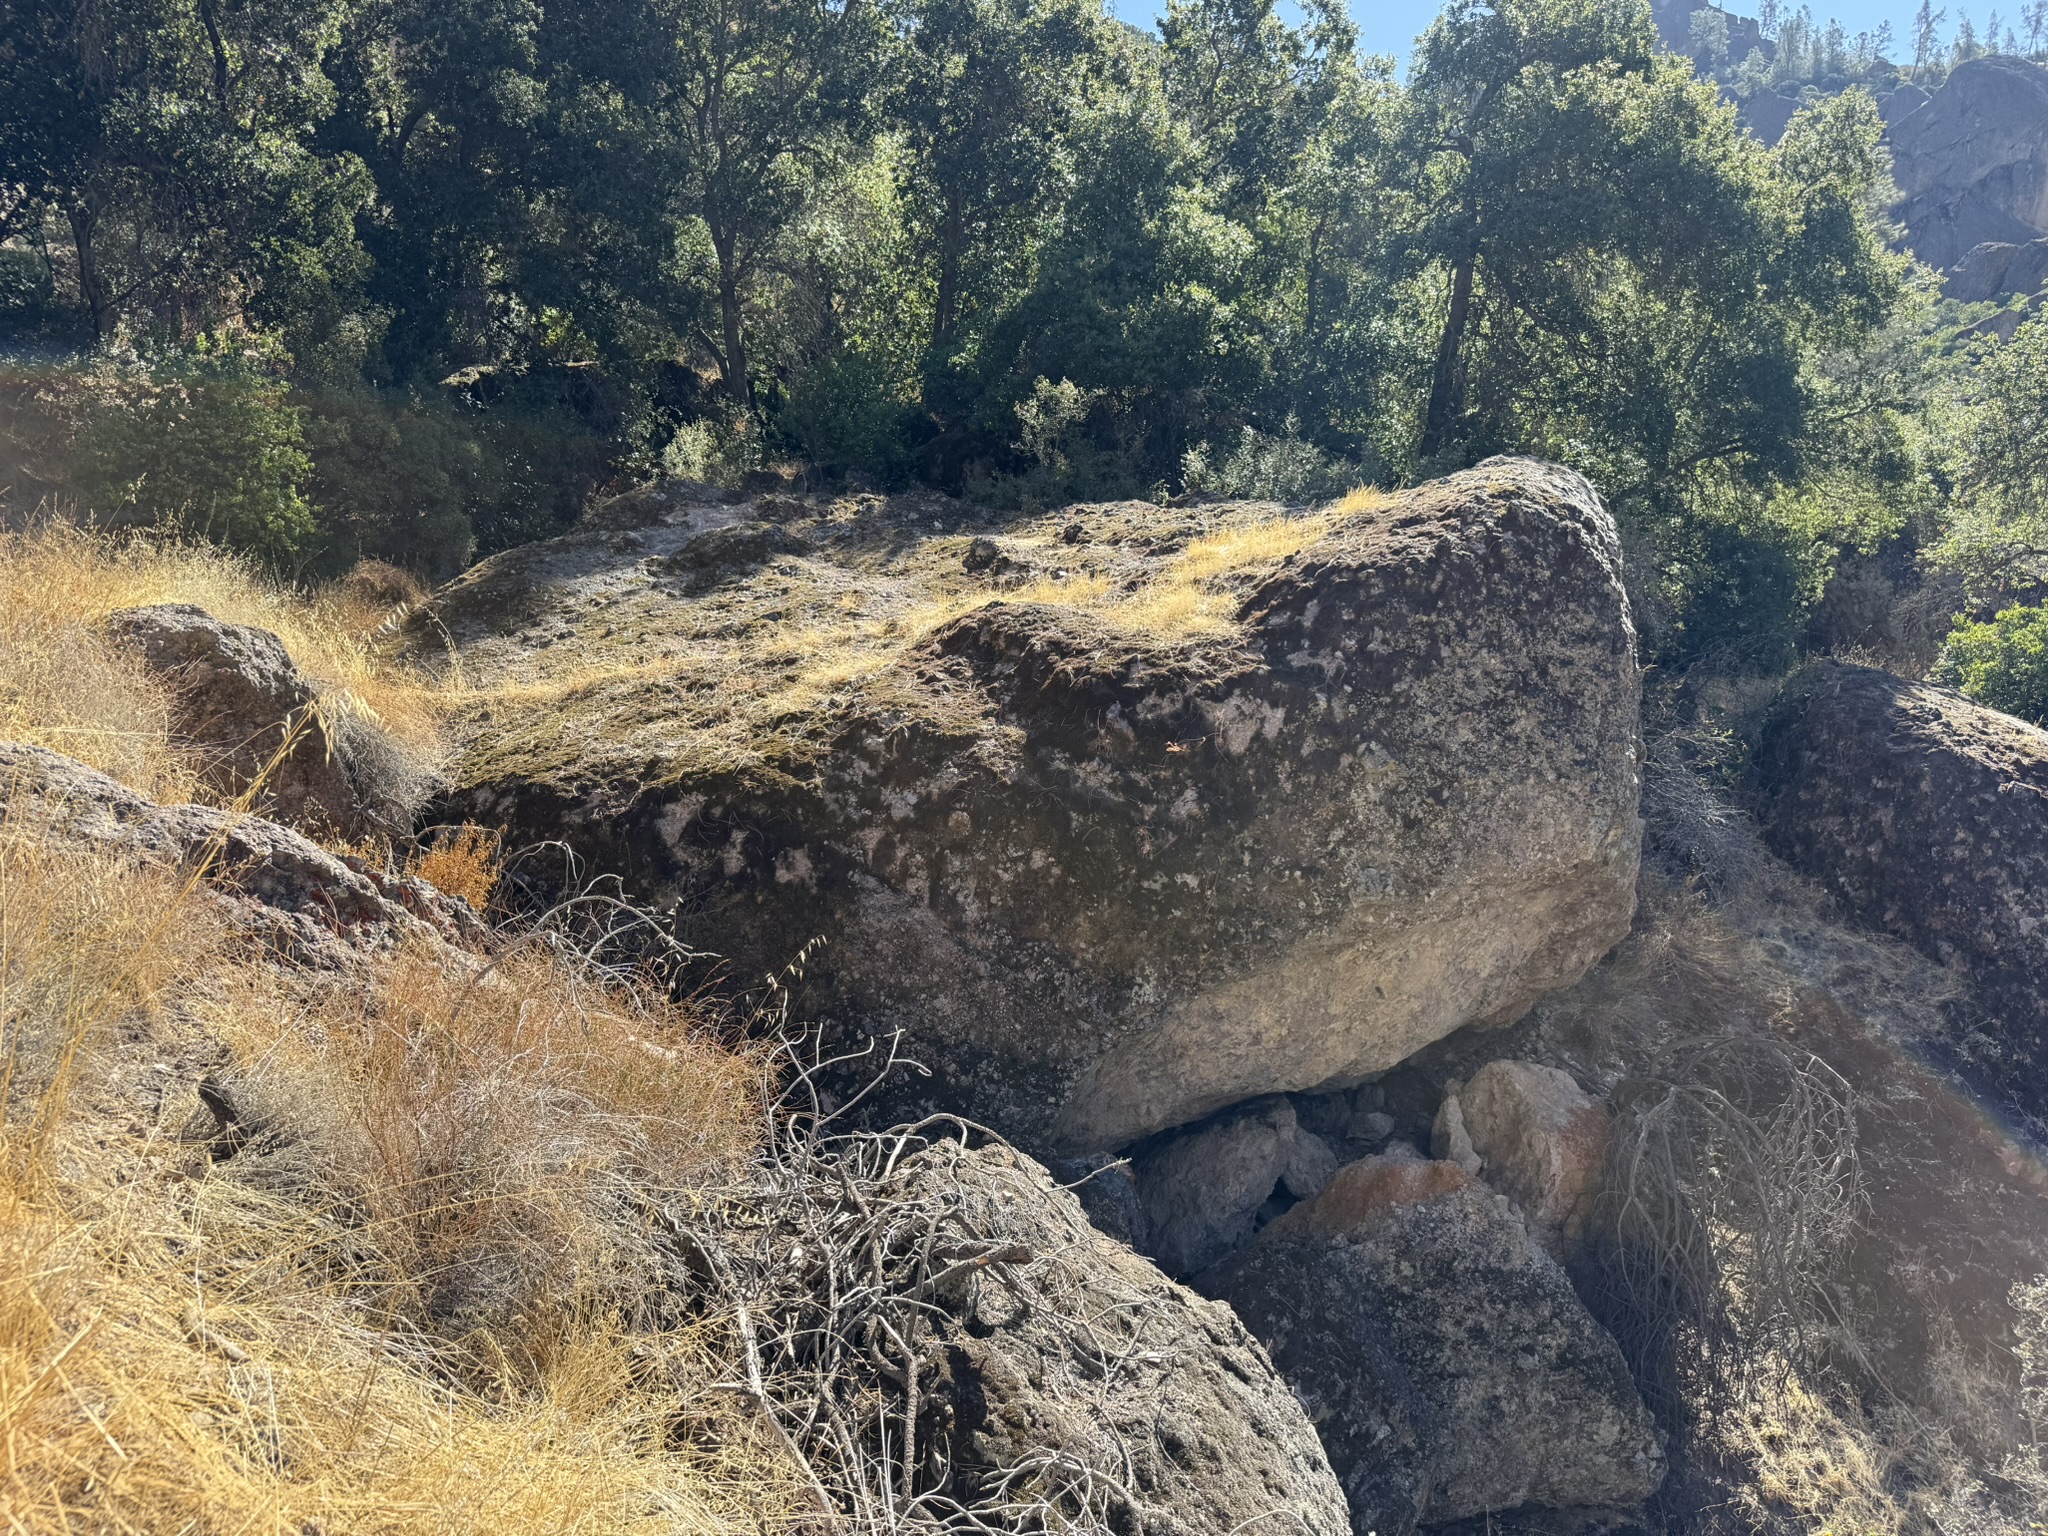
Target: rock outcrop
(1996, 268)
(1973, 162)
(1046, 1377)
(1926, 815)
(1442, 1354)
(1152, 827)
(274, 885)
(250, 715)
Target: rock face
(1540, 1139)
(1192, 1431)
(1444, 1357)
(1927, 816)
(1996, 268)
(1768, 114)
(274, 885)
(1109, 872)
(1973, 162)
(239, 698)
(1202, 1193)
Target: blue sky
(1390, 26)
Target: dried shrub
(1733, 1189)
(465, 861)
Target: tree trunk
(952, 247)
(220, 52)
(735, 359)
(1445, 388)
(92, 283)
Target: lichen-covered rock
(1926, 815)
(1442, 1354)
(1202, 1191)
(1211, 828)
(250, 715)
(1090, 1354)
(286, 892)
(1540, 1139)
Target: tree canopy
(1011, 248)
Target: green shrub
(204, 446)
(2002, 662)
(848, 413)
(1285, 468)
(396, 479)
(1733, 592)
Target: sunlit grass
(66, 685)
(184, 1349)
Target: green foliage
(396, 480)
(1998, 541)
(1733, 585)
(2002, 662)
(1283, 468)
(506, 252)
(206, 446)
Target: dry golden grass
(414, 1302)
(65, 686)
(1816, 1467)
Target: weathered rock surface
(275, 885)
(1192, 1422)
(1109, 870)
(1768, 114)
(1540, 1139)
(1442, 1354)
(1996, 268)
(1901, 104)
(239, 699)
(1202, 1192)
(1973, 162)
(1926, 815)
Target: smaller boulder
(1444, 1357)
(273, 886)
(1540, 1139)
(1902, 104)
(1920, 811)
(1204, 1191)
(1449, 1141)
(257, 723)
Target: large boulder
(272, 884)
(1220, 802)
(1973, 162)
(1926, 815)
(261, 729)
(1443, 1355)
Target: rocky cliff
(1972, 164)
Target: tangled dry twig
(1733, 1191)
(850, 1266)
